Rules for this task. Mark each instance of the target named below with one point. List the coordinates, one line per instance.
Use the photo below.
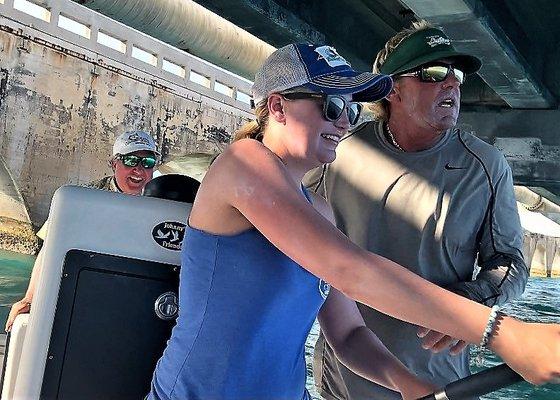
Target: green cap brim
(414, 51)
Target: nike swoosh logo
(451, 167)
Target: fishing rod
(483, 382)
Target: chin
(446, 124)
(325, 160)
(327, 157)
(449, 121)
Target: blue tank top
(245, 312)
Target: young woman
(259, 250)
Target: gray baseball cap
(320, 69)
(132, 141)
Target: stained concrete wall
(16, 230)
(529, 140)
(62, 104)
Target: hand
(416, 389)
(436, 342)
(533, 350)
(21, 307)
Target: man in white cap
(133, 161)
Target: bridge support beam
(16, 231)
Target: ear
(275, 104)
(395, 93)
(113, 163)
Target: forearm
(499, 281)
(404, 295)
(364, 354)
(35, 273)
(503, 273)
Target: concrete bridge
(72, 79)
(66, 94)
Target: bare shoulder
(246, 150)
(322, 206)
(246, 158)
(236, 175)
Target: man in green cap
(412, 187)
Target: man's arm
(499, 281)
(503, 272)
(24, 305)
(361, 351)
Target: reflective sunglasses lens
(334, 108)
(354, 110)
(434, 73)
(148, 162)
(460, 75)
(130, 161)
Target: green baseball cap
(425, 46)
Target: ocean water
(15, 270)
(540, 302)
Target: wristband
(487, 335)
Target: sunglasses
(130, 160)
(436, 73)
(333, 105)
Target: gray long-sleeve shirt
(438, 212)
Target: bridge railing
(109, 42)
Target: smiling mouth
(135, 179)
(328, 136)
(447, 103)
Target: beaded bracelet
(487, 335)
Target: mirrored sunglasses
(333, 105)
(131, 160)
(436, 73)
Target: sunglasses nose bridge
(344, 120)
(454, 76)
(344, 111)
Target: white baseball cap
(132, 141)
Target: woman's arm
(355, 345)
(252, 180)
(24, 305)
(360, 350)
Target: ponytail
(254, 129)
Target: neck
(295, 167)
(410, 138)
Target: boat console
(106, 300)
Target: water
(15, 270)
(541, 302)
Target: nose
(343, 122)
(451, 80)
(139, 168)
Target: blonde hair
(380, 109)
(254, 129)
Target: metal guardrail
(109, 43)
